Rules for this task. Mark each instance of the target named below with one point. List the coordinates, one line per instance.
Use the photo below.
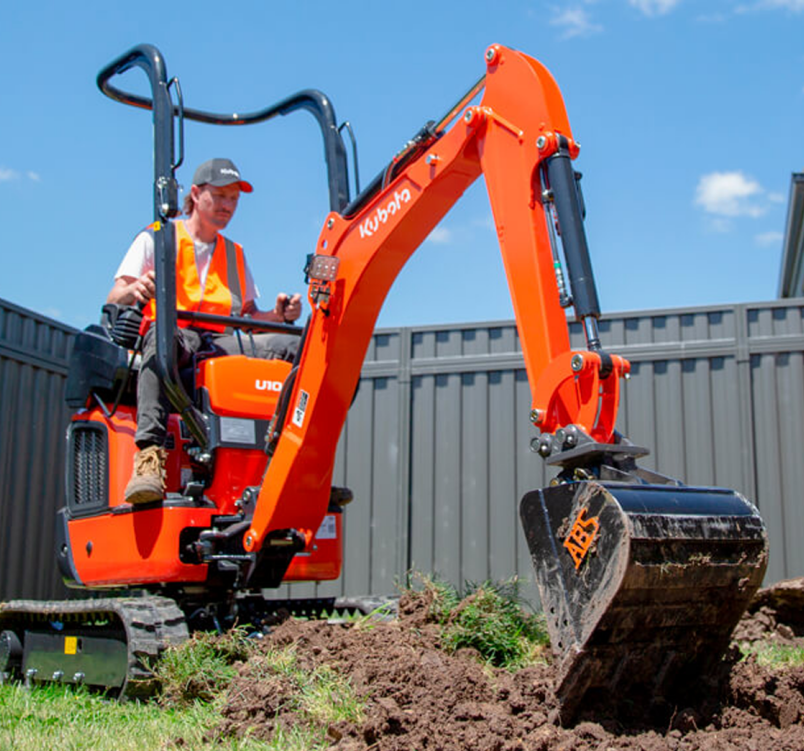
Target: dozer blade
(641, 585)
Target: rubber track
(151, 625)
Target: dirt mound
(419, 697)
(775, 613)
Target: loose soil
(418, 697)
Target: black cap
(219, 172)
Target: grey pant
(153, 406)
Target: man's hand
(129, 290)
(288, 308)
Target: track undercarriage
(112, 643)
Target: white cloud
(485, 222)
(654, 7)
(795, 5)
(766, 239)
(575, 22)
(729, 194)
(7, 175)
(440, 236)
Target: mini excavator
(642, 579)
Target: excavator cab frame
(166, 189)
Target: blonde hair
(188, 205)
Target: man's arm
(129, 290)
(134, 280)
(286, 310)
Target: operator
(208, 265)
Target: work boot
(147, 484)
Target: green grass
(201, 667)
(72, 719)
(196, 675)
(490, 618)
(771, 655)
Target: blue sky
(690, 114)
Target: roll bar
(316, 102)
(166, 204)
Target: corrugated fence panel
(33, 420)
(436, 446)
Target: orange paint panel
(324, 560)
(240, 386)
(141, 546)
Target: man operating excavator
(212, 276)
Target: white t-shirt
(139, 260)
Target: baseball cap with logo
(219, 172)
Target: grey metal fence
(436, 447)
(33, 418)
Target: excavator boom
(512, 138)
(642, 580)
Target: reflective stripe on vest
(225, 284)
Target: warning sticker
(327, 530)
(71, 645)
(301, 408)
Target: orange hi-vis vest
(225, 285)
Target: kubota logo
(268, 385)
(372, 224)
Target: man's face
(216, 205)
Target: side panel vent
(87, 469)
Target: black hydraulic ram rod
(566, 200)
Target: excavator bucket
(641, 585)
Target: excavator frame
(642, 579)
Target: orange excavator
(641, 578)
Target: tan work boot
(147, 484)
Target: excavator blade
(641, 585)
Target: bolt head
(577, 363)
(491, 53)
(541, 142)
(330, 223)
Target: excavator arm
(642, 579)
(518, 137)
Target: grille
(89, 467)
